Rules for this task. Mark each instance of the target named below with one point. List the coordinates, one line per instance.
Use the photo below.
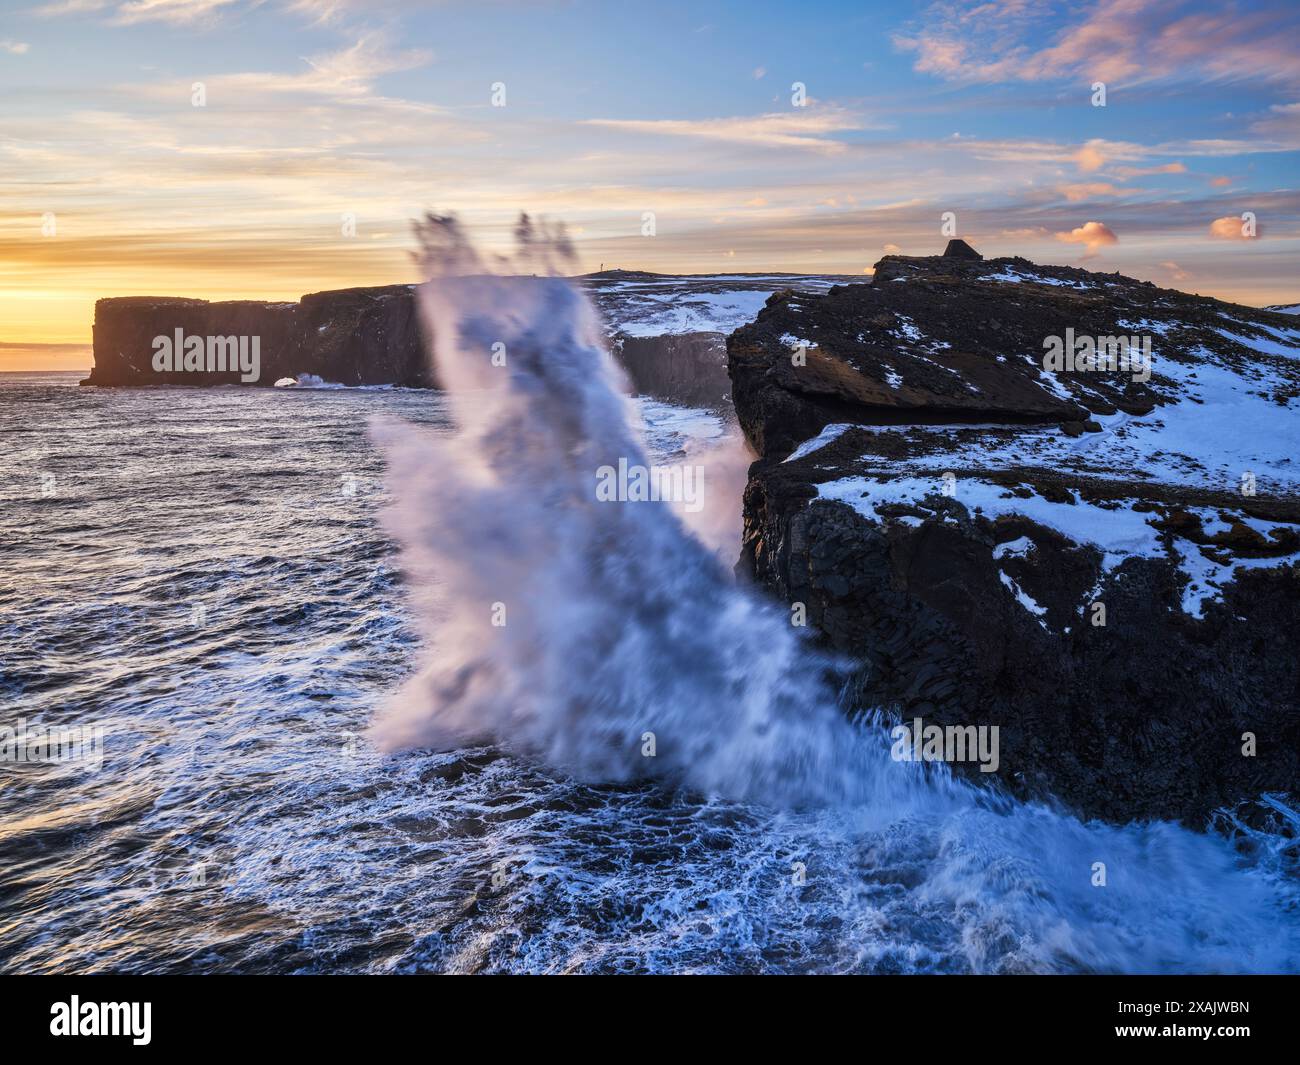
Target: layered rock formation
(1100, 562)
(668, 333)
(358, 336)
(690, 368)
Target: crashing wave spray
(570, 630)
(580, 631)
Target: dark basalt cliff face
(373, 336)
(358, 336)
(669, 332)
(1103, 567)
(689, 368)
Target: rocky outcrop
(689, 368)
(1099, 561)
(359, 336)
(668, 333)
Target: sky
(263, 149)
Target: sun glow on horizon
(245, 152)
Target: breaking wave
(608, 641)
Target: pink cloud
(1115, 41)
(1234, 227)
(1127, 172)
(1090, 157)
(1092, 235)
(1089, 190)
(1026, 233)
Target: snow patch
(1023, 599)
(1014, 276)
(831, 432)
(1014, 548)
(1118, 531)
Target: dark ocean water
(202, 574)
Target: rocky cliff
(668, 332)
(358, 336)
(1096, 555)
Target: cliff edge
(1059, 502)
(356, 336)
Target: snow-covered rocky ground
(1108, 552)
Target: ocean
(207, 577)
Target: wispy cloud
(1089, 190)
(59, 8)
(1116, 41)
(197, 12)
(1130, 172)
(243, 197)
(346, 76)
(795, 129)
